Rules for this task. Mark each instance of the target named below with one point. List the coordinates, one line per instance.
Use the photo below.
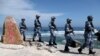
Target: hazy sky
(77, 10)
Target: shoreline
(42, 50)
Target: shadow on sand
(72, 52)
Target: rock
(64, 41)
(78, 43)
(75, 42)
(52, 49)
(11, 33)
(43, 46)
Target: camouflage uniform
(52, 28)
(37, 28)
(23, 28)
(88, 35)
(67, 34)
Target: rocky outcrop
(11, 33)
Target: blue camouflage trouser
(88, 41)
(68, 39)
(37, 31)
(52, 36)
(22, 31)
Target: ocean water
(79, 31)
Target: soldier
(37, 28)
(68, 31)
(23, 28)
(88, 35)
(52, 28)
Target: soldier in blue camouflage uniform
(37, 28)
(88, 35)
(23, 28)
(52, 28)
(68, 31)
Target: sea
(60, 39)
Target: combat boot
(91, 52)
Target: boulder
(11, 33)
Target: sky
(77, 10)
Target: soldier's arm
(73, 32)
(26, 27)
(91, 27)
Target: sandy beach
(40, 49)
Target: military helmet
(37, 16)
(53, 17)
(89, 18)
(68, 20)
(23, 19)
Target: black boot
(40, 40)
(91, 52)
(66, 49)
(80, 51)
(33, 40)
(50, 44)
(54, 43)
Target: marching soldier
(88, 35)
(68, 31)
(37, 28)
(23, 28)
(52, 28)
